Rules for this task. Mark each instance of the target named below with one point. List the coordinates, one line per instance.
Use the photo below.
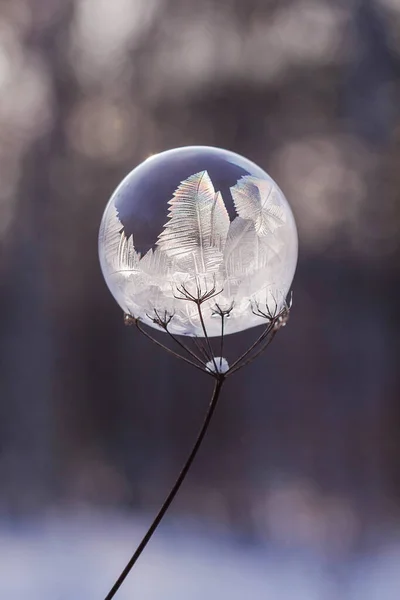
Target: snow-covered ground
(78, 556)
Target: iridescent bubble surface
(198, 219)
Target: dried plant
(204, 358)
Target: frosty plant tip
(199, 243)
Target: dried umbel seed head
(198, 226)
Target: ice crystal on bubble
(197, 228)
(192, 222)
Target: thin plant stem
(201, 349)
(253, 357)
(206, 337)
(182, 345)
(175, 488)
(164, 324)
(258, 341)
(150, 337)
(221, 349)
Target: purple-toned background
(298, 483)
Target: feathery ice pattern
(200, 247)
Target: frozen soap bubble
(198, 221)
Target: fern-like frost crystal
(198, 225)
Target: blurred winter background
(296, 493)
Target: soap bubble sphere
(198, 222)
